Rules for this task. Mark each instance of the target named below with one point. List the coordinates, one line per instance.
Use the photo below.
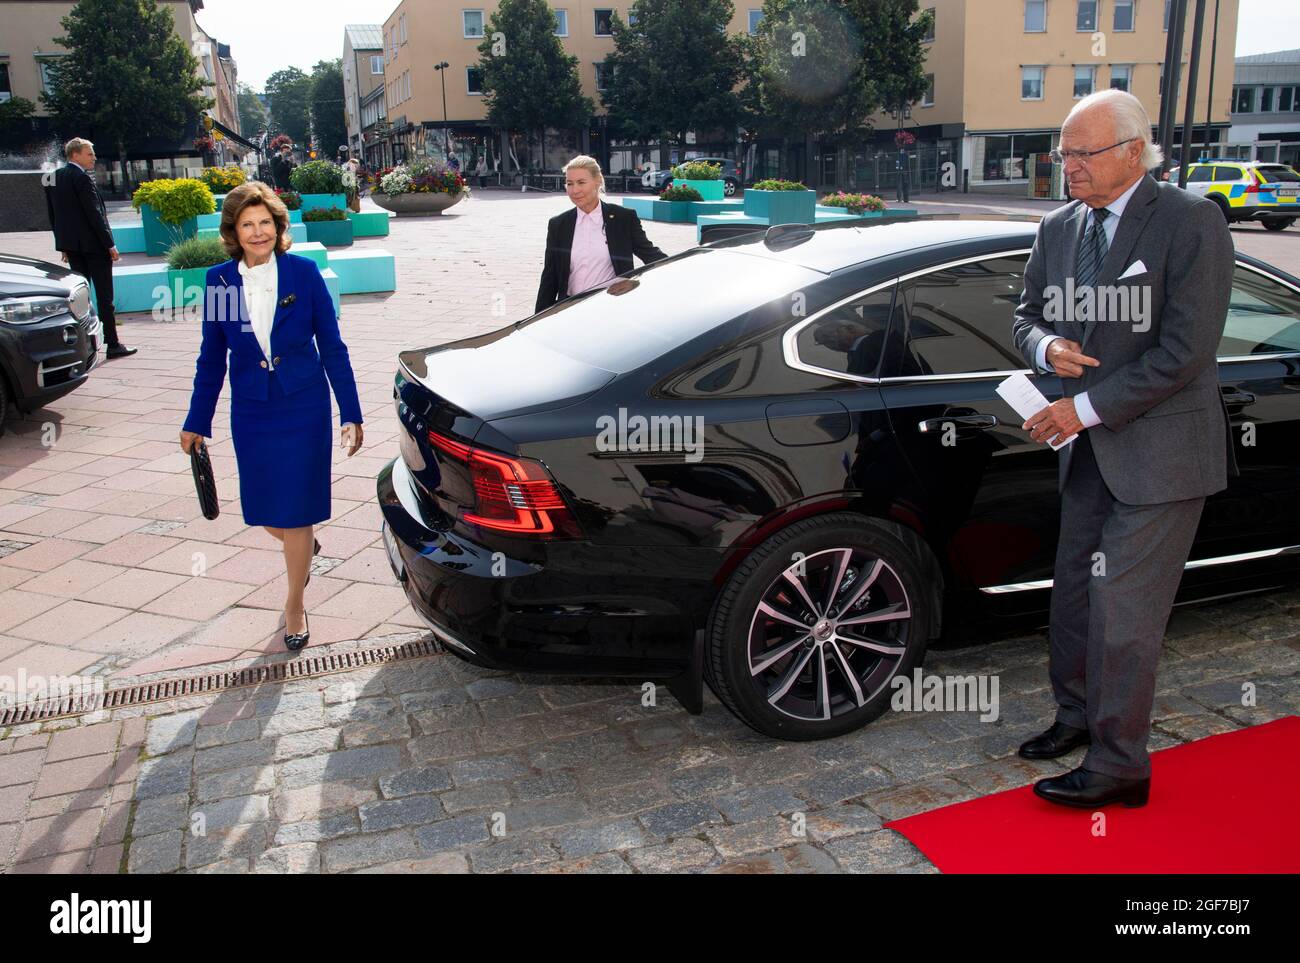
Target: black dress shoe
(1088, 790)
(297, 640)
(120, 351)
(315, 546)
(1056, 741)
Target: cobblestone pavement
(435, 765)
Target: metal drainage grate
(303, 668)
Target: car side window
(1263, 317)
(1200, 174)
(958, 320)
(1227, 173)
(849, 339)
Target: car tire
(1223, 207)
(729, 188)
(1277, 223)
(833, 678)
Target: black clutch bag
(205, 483)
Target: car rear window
(664, 306)
(1278, 174)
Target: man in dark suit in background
(282, 166)
(82, 234)
(583, 254)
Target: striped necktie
(1093, 250)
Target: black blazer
(77, 213)
(623, 235)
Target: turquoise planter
(673, 211)
(782, 207)
(709, 190)
(187, 287)
(295, 217)
(369, 223)
(312, 201)
(219, 198)
(158, 237)
(330, 233)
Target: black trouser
(98, 268)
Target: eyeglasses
(1061, 156)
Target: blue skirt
(282, 448)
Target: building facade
(1266, 108)
(27, 51)
(363, 74)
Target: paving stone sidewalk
(434, 765)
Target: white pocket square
(1137, 267)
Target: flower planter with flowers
(169, 211)
(328, 225)
(293, 202)
(674, 204)
(319, 184)
(863, 205)
(420, 188)
(781, 202)
(704, 179)
(187, 268)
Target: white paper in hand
(1019, 392)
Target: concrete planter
(188, 286)
(159, 236)
(709, 190)
(312, 201)
(434, 202)
(782, 207)
(678, 212)
(330, 233)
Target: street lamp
(446, 144)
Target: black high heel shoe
(298, 640)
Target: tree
(529, 82)
(252, 115)
(16, 122)
(328, 121)
(127, 77)
(822, 68)
(674, 70)
(290, 93)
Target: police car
(1247, 190)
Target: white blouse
(261, 288)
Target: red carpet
(1226, 804)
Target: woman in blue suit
(272, 313)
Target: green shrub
(698, 171)
(681, 192)
(325, 214)
(292, 199)
(317, 177)
(176, 201)
(223, 180)
(196, 252)
(773, 184)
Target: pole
(446, 141)
(1189, 111)
(1214, 52)
(1173, 63)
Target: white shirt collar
(261, 273)
(1116, 207)
(593, 214)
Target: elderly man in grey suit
(1142, 394)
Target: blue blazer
(305, 342)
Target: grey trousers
(1117, 570)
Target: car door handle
(982, 422)
(1234, 396)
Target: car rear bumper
(586, 610)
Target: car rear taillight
(512, 495)
(1256, 180)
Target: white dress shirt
(1082, 406)
(589, 261)
(261, 288)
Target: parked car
(821, 533)
(1247, 190)
(50, 335)
(733, 175)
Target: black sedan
(49, 333)
(778, 463)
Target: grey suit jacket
(1164, 434)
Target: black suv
(49, 333)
